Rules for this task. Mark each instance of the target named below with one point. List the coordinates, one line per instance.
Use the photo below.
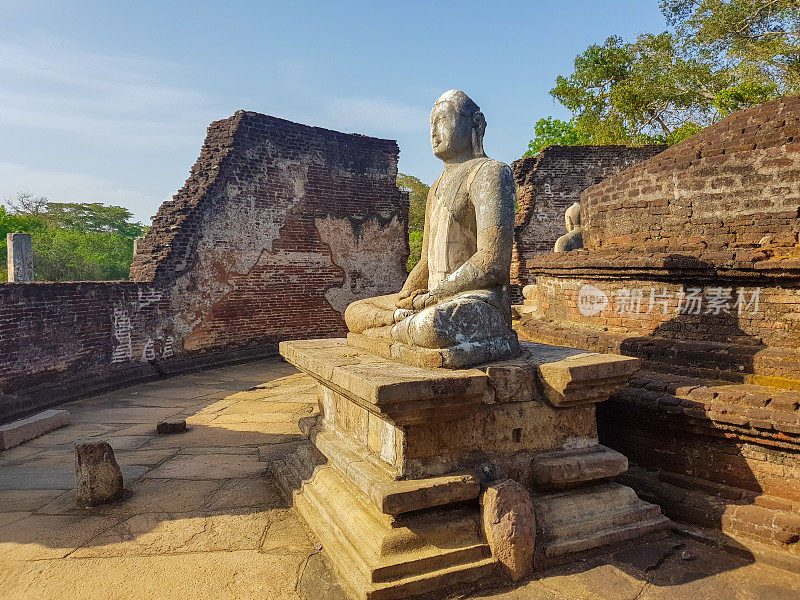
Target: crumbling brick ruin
(548, 183)
(692, 263)
(277, 229)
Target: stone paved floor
(204, 521)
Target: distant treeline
(71, 241)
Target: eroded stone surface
(510, 526)
(20, 257)
(512, 383)
(577, 520)
(382, 474)
(563, 468)
(573, 239)
(170, 426)
(586, 378)
(98, 478)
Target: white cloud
(48, 84)
(74, 187)
(134, 128)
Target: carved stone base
(582, 519)
(391, 484)
(378, 556)
(454, 357)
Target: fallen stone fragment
(14, 433)
(171, 426)
(510, 526)
(98, 478)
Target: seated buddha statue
(456, 299)
(573, 239)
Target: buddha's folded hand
(406, 298)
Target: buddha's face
(451, 132)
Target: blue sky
(109, 101)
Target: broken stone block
(561, 468)
(98, 478)
(171, 426)
(585, 378)
(510, 526)
(17, 432)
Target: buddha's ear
(478, 129)
(479, 124)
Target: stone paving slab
(54, 478)
(203, 521)
(67, 436)
(242, 575)
(211, 466)
(39, 537)
(26, 500)
(673, 568)
(150, 534)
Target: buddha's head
(457, 127)
(573, 216)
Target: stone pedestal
(391, 485)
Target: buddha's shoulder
(488, 168)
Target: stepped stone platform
(205, 518)
(744, 487)
(392, 482)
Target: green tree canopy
(554, 132)
(418, 198)
(717, 57)
(757, 39)
(93, 218)
(72, 241)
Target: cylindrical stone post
(20, 257)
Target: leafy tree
(718, 57)
(418, 198)
(93, 218)
(73, 255)
(72, 241)
(640, 92)
(554, 132)
(758, 39)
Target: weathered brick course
(734, 185)
(671, 245)
(548, 184)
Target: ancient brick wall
(548, 184)
(278, 228)
(736, 184)
(692, 265)
(62, 336)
